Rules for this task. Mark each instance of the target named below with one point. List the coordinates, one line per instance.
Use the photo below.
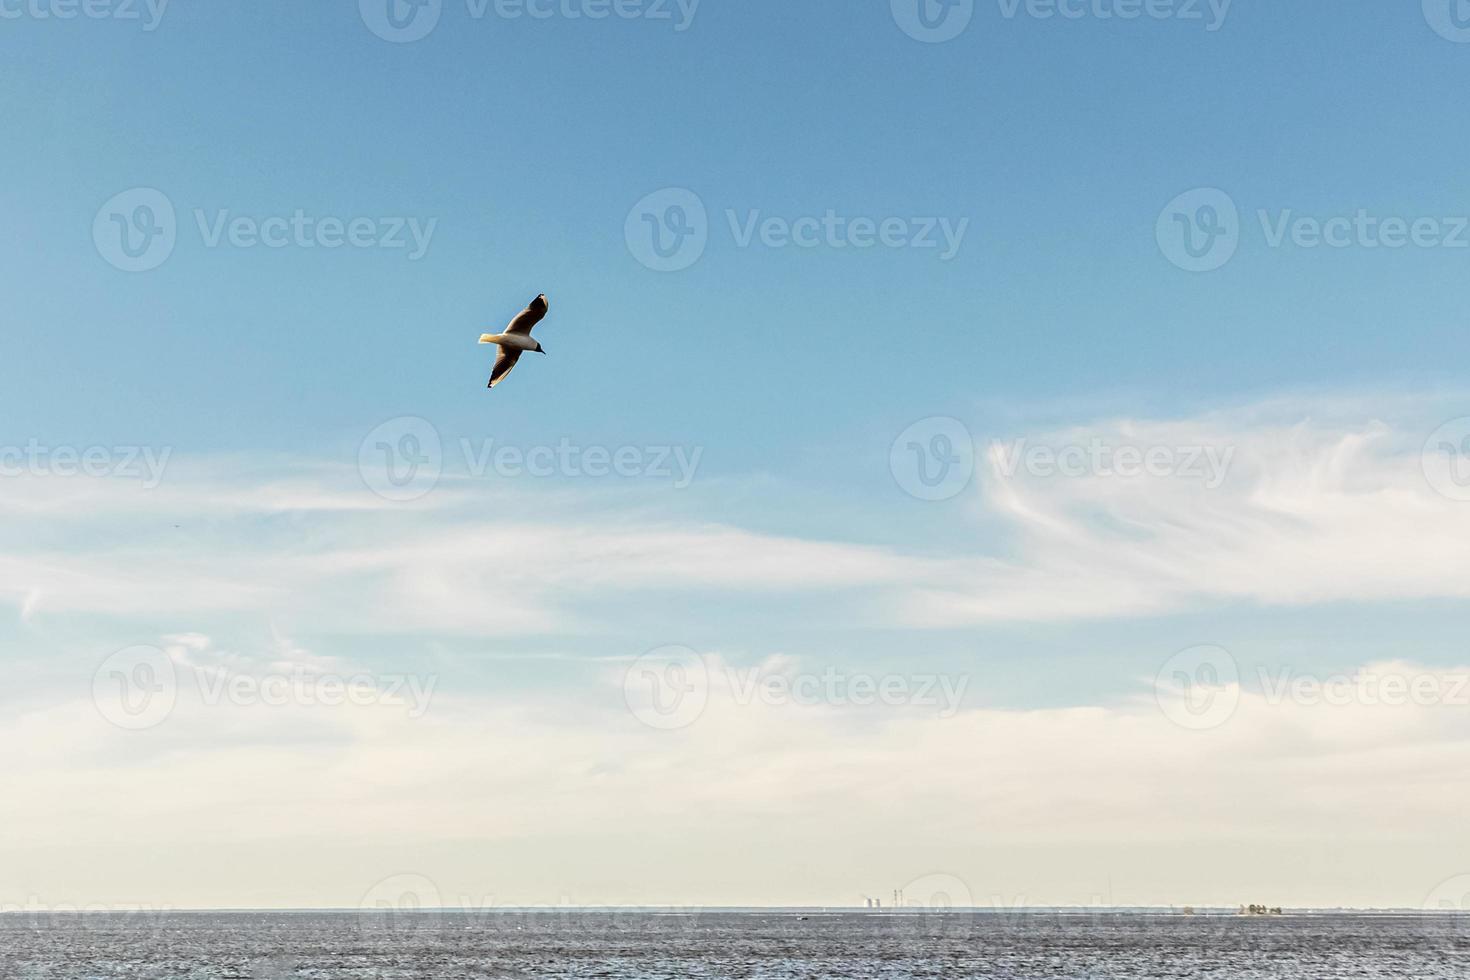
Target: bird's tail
(487, 338)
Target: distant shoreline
(1071, 910)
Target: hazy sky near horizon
(1016, 451)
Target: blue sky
(1052, 148)
(530, 140)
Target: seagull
(516, 340)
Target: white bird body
(516, 340)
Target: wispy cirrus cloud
(1306, 510)
(1269, 504)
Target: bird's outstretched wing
(503, 364)
(529, 317)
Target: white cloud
(1311, 508)
(1307, 512)
(511, 774)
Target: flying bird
(516, 340)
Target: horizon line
(1181, 910)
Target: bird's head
(539, 348)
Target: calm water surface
(1096, 946)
